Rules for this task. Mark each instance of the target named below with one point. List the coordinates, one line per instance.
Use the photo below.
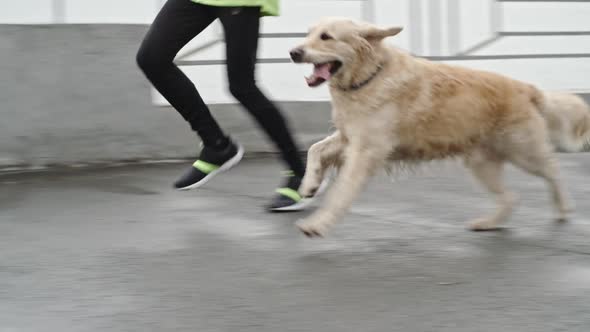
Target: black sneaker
(288, 198)
(210, 163)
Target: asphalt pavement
(116, 249)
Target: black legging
(176, 24)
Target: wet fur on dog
(389, 107)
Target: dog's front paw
(315, 226)
(311, 229)
(484, 224)
(565, 211)
(309, 187)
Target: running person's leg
(241, 27)
(178, 22)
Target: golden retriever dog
(389, 108)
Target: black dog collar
(357, 86)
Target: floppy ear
(373, 33)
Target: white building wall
(432, 28)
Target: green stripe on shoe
(204, 166)
(288, 192)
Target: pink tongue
(322, 71)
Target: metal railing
(368, 11)
(368, 14)
(58, 10)
(416, 35)
(497, 13)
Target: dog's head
(338, 45)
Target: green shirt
(267, 7)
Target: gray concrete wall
(73, 94)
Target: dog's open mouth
(322, 72)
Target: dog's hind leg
(488, 170)
(358, 165)
(537, 159)
(321, 156)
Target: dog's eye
(325, 36)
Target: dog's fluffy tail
(568, 120)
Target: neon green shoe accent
(204, 166)
(288, 173)
(292, 194)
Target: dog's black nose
(296, 54)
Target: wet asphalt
(116, 249)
